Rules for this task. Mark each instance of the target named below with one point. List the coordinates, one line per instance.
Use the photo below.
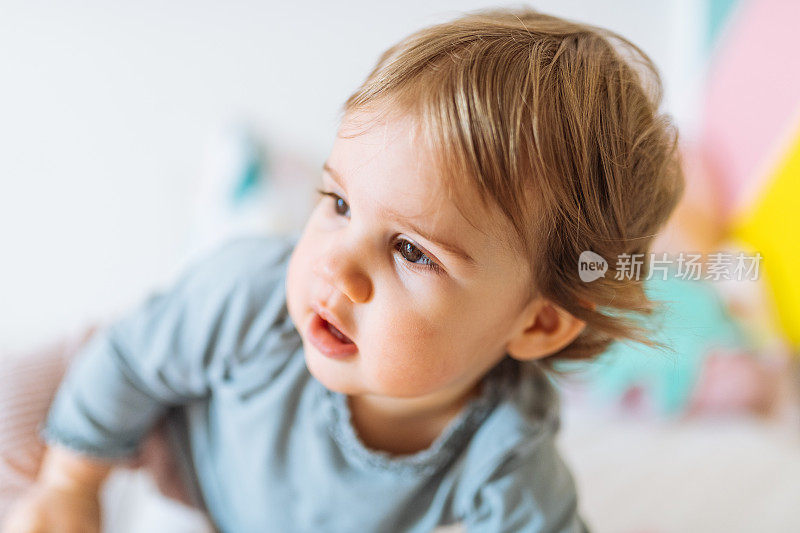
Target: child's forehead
(385, 155)
(391, 146)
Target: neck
(408, 425)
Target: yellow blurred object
(772, 227)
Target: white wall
(106, 107)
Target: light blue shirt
(266, 447)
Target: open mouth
(329, 340)
(338, 334)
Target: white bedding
(729, 475)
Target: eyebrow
(451, 248)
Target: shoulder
(255, 257)
(242, 284)
(513, 474)
(235, 282)
(527, 409)
(227, 303)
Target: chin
(334, 375)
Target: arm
(64, 498)
(64, 469)
(168, 351)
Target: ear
(546, 328)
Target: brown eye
(410, 252)
(340, 207)
(414, 255)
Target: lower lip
(324, 341)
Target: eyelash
(428, 264)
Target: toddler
(386, 370)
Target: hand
(50, 509)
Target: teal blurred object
(719, 13)
(253, 169)
(693, 323)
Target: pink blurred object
(737, 383)
(753, 97)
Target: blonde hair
(557, 123)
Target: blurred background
(136, 135)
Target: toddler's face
(379, 254)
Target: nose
(339, 266)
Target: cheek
(410, 354)
(292, 296)
(421, 353)
(297, 279)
